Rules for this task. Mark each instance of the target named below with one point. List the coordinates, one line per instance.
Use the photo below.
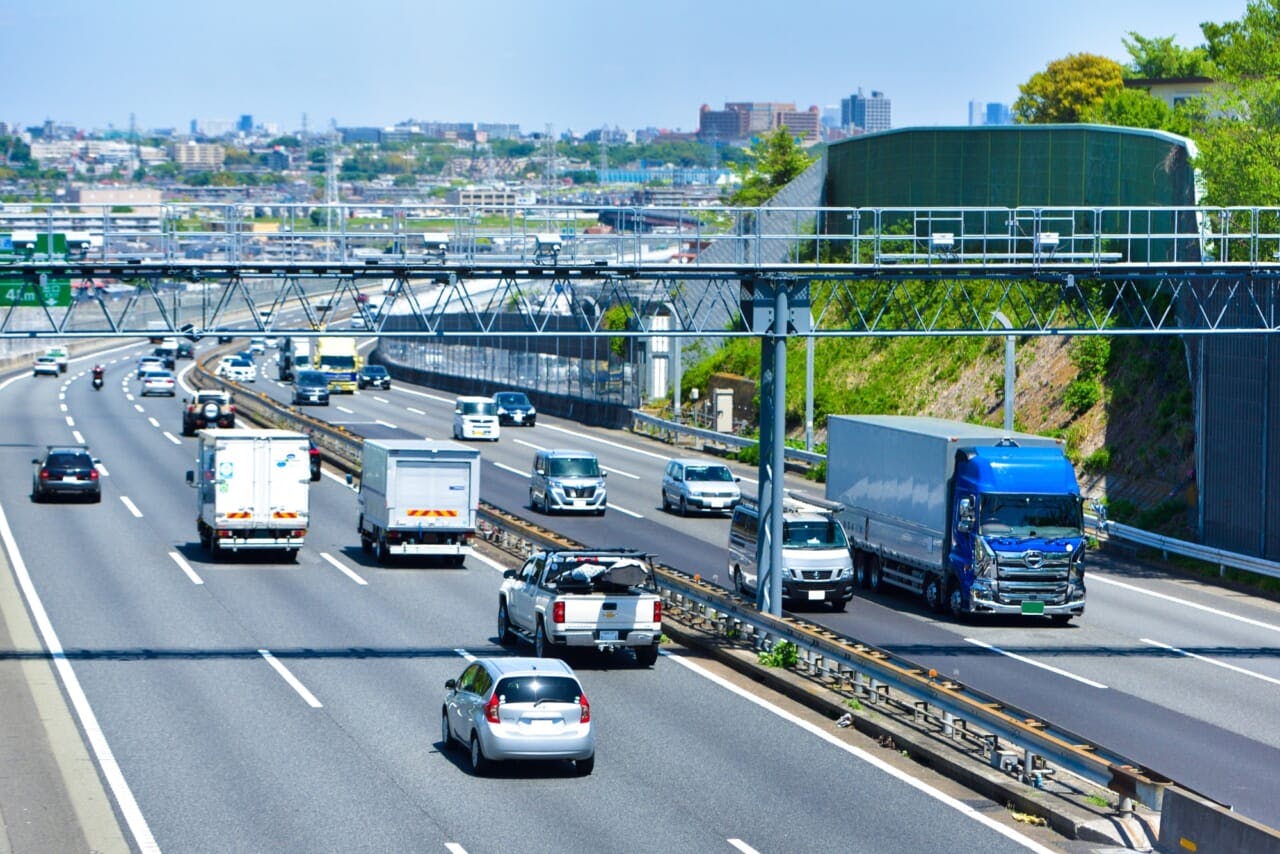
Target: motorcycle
(97, 379)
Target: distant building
(977, 113)
(867, 114)
(131, 196)
(245, 125)
(999, 114)
(1172, 90)
(363, 134)
(482, 197)
(279, 159)
(762, 115)
(497, 130)
(805, 124)
(741, 120)
(723, 125)
(197, 155)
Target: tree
(773, 162)
(1135, 108)
(1066, 87)
(1161, 59)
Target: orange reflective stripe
(281, 515)
(238, 515)
(447, 514)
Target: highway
(253, 705)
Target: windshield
(817, 534)
(512, 398)
(337, 363)
(312, 378)
(477, 407)
(375, 371)
(573, 467)
(1030, 516)
(719, 473)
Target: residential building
(1172, 90)
(805, 124)
(197, 155)
(483, 197)
(723, 125)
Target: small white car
(158, 382)
(149, 363)
(236, 369)
(475, 418)
(45, 365)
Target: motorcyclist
(97, 372)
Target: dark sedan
(373, 376)
(514, 408)
(66, 471)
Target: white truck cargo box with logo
(418, 497)
(253, 489)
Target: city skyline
(500, 61)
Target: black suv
(66, 470)
(514, 408)
(375, 376)
(186, 350)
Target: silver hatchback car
(519, 708)
(699, 485)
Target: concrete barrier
(1190, 823)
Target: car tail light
(491, 710)
(298, 534)
(584, 709)
(93, 474)
(44, 474)
(657, 611)
(557, 612)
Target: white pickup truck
(601, 598)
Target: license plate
(715, 502)
(1033, 607)
(817, 594)
(610, 635)
(519, 416)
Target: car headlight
(532, 411)
(846, 572)
(501, 411)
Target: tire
(646, 656)
(291, 555)
(600, 512)
(205, 539)
(383, 553)
(479, 765)
(934, 595)
(97, 497)
(504, 624)
(875, 572)
(666, 505)
(861, 569)
(839, 604)
(540, 645)
(738, 583)
(584, 767)
(955, 601)
(684, 506)
(446, 737)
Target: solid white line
(942, 797)
(631, 513)
(415, 411)
(291, 679)
(386, 424)
(186, 567)
(79, 437)
(133, 508)
(71, 422)
(513, 470)
(404, 390)
(623, 473)
(172, 438)
(111, 772)
(618, 445)
(1039, 664)
(454, 848)
(742, 846)
(487, 561)
(154, 422)
(1093, 576)
(381, 399)
(344, 409)
(1212, 661)
(138, 406)
(333, 560)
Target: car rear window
(66, 461)
(531, 689)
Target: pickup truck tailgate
(609, 611)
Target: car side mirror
(604, 474)
(737, 479)
(451, 684)
(191, 478)
(510, 573)
(35, 461)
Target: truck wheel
(875, 571)
(205, 539)
(291, 555)
(504, 625)
(955, 601)
(540, 644)
(646, 656)
(861, 569)
(384, 553)
(933, 594)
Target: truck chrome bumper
(986, 606)
(446, 549)
(600, 640)
(244, 544)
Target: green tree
(1161, 59)
(1135, 108)
(773, 163)
(1067, 87)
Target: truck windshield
(573, 467)
(813, 535)
(1030, 516)
(338, 363)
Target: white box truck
(418, 497)
(252, 489)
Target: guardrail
(654, 426)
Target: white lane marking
(347, 411)
(1212, 661)
(133, 508)
(75, 693)
(128, 396)
(618, 445)
(138, 406)
(623, 473)
(62, 395)
(468, 656)
(386, 424)
(186, 567)
(404, 390)
(78, 436)
(71, 422)
(381, 399)
(742, 846)
(291, 679)
(62, 407)
(942, 797)
(154, 422)
(454, 848)
(487, 561)
(1094, 577)
(513, 470)
(630, 513)
(343, 568)
(529, 444)
(172, 438)
(415, 411)
(1033, 663)
(102, 469)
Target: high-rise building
(999, 114)
(723, 125)
(866, 114)
(977, 113)
(245, 125)
(761, 114)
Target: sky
(570, 64)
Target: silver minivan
(699, 485)
(568, 481)
(816, 563)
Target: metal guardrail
(654, 426)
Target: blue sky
(571, 64)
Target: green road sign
(51, 292)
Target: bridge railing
(646, 235)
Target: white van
(816, 564)
(475, 418)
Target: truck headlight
(984, 559)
